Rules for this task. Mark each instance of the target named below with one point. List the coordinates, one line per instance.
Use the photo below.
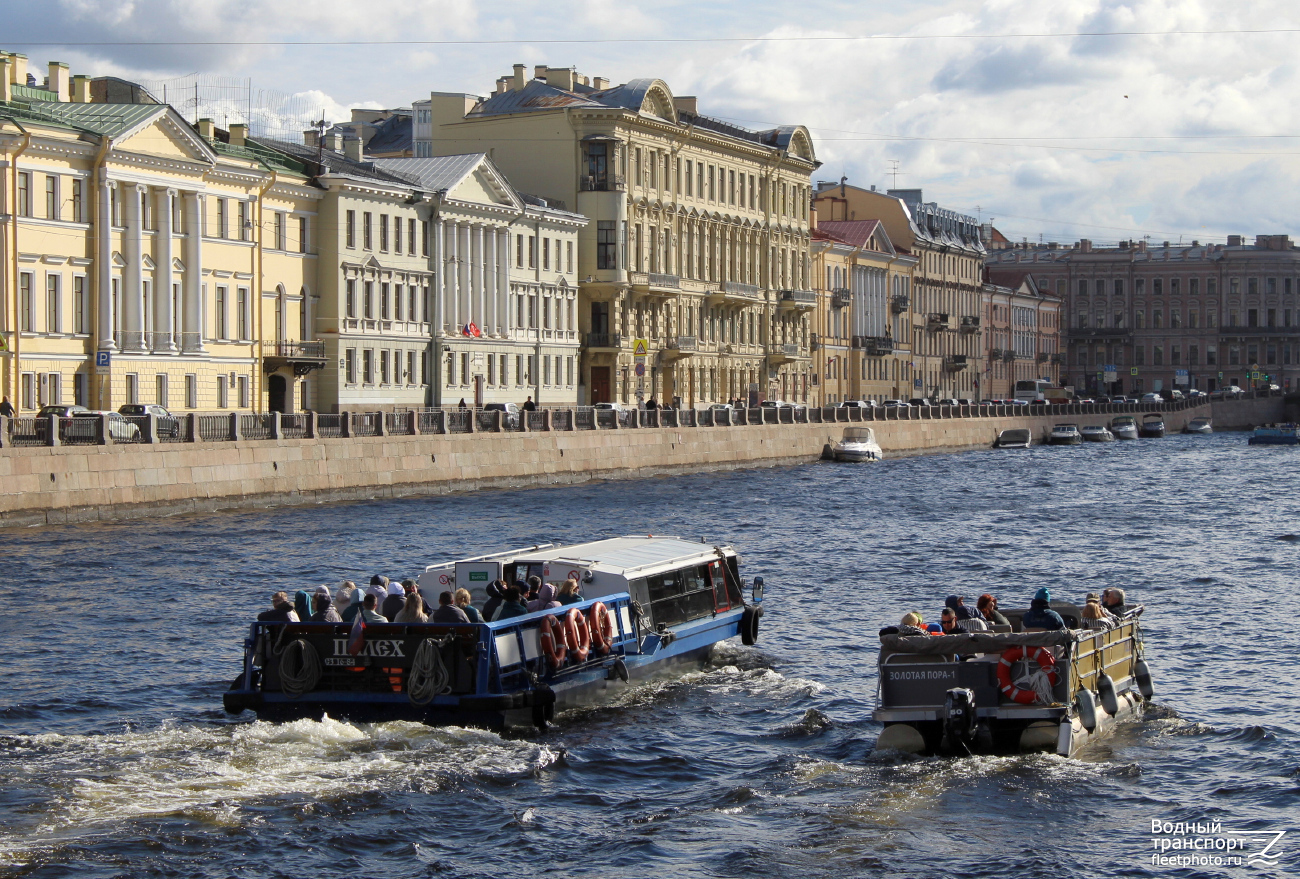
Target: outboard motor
(960, 726)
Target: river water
(117, 760)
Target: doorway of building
(478, 391)
(600, 380)
(277, 391)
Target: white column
(503, 281)
(132, 280)
(492, 314)
(453, 277)
(104, 284)
(478, 307)
(463, 292)
(192, 311)
(439, 286)
(162, 309)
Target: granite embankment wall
(63, 484)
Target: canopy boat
(1286, 434)
(1003, 691)
(1198, 425)
(1124, 427)
(1065, 435)
(1097, 433)
(651, 604)
(1015, 438)
(1153, 426)
(858, 444)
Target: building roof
(322, 162)
(111, 120)
(393, 135)
(434, 174)
(856, 232)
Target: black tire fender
(749, 625)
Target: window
(568, 257)
(350, 298)
(1193, 318)
(383, 233)
(1234, 355)
(24, 196)
(1252, 317)
(278, 231)
(410, 367)
(519, 369)
(464, 368)
(78, 201)
(397, 234)
(1193, 355)
(160, 396)
(1252, 286)
(366, 241)
(606, 245)
(368, 366)
(568, 372)
(532, 251)
(424, 366)
(1140, 319)
(80, 388)
(1271, 318)
(132, 388)
(519, 251)
(1175, 355)
(713, 192)
(350, 366)
(546, 371)
(451, 369)
(368, 300)
(424, 238)
(221, 325)
(223, 398)
(221, 218)
(191, 391)
(1139, 355)
(1175, 318)
(1211, 355)
(241, 312)
(398, 302)
(51, 197)
(690, 189)
(383, 366)
(350, 229)
(243, 392)
(546, 254)
(26, 317)
(302, 234)
(80, 306)
(384, 313)
(52, 323)
(244, 224)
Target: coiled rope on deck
(428, 676)
(300, 668)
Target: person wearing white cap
(394, 602)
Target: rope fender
(429, 676)
(300, 668)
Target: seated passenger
(513, 606)
(394, 601)
(958, 606)
(447, 611)
(409, 586)
(496, 594)
(545, 599)
(951, 625)
(347, 601)
(1094, 616)
(1092, 597)
(325, 612)
(463, 602)
(412, 610)
(302, 605)
(911, 625)
(368, 612)
(569, 592)
(281, 610)
(534, 587)
(1114, 601)
(988, 608)
(1040, 614)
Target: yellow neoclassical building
(698, 240)
(145, 261)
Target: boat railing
(1113, 650)
(516, 642)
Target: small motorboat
(1097, 433)
(1065, 435)
(1124, 427)
(1286, 434)
(1016, 438)
(1153, 426)
(1198, 425)
(858, 444)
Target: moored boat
(1153, 426)
(1065, 435)
(1015, 438)
(651, 604)
(1124, 427)
(998, 692)
(1285, 434)
(858, 444)
(1097, 433)
(1198, 425)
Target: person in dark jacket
(496, 594)
(513, 605)
(463, 602)
(957, 605)
(302, 605)
(534, 588)
(988, 608)
(394, 601)
(447, 611)
(325, 613)
(1040, 614)
(281, 610)
(529, 405)
(1114, 601)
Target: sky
(1178, 124)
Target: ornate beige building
(698, 241)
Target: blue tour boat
(1287, 434)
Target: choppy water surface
(116, 759)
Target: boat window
(679, 596)
(721, 601)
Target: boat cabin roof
(1065, 427)
(629, 556)
(859, 435)
(1155, 415)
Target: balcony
(606, 341)
(1255, 331)
(736, 293)
(798, 299)
(1008, 356)
(1100, 333)
(841, 297)
(301, 356)
(874, 346)
(995, 353)
(606, 183)
(1056, 358)
(655, 284)
(899, 303)
(936, 321)
(954, 362)
(681, 346)
(969, 324)
(784, 354)
(1042, 356)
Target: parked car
(722, 407)
(1172, 394)
(1269, 387)
(920, 401)
(510, 420)
(947, 401)
(617, 407)
(1196, 393)
(1233, 390)
(896, 404)
(857, 404)
(962, 401)
(168, 424)
(119, 429)
(43, 418)
(1152, 398)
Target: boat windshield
(859, 435)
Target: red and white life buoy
(576, 635)
(552, 647)
(1041, 655)
(602, 628)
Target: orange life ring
(554, 648)
(576, 635)
(1041, 655)
(602, 628)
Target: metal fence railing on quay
(214, 428)
(485, 420)
(397, 423)
(129, 429)
(608, 418)
(255, 427)
(367, 423)
(537, 420)
(171, 429)
(459, 420)
(83, 431)
(293, 426)
(329, 426)
(432, 421)
(561, 419)
(584, 418)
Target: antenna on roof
(894, 171)
(321, 125)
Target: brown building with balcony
(1022, 338)
(1174, 316)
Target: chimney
(1234, 241)
(1085, 246)
(352, 147)
(59, 82)
(539, 71)
(310, 137)
(18, 70)
(561, 77)
(687, 104)
(238, 133)
(518, 81)
(599, 83)
(334, 142)
(207, 130)
(6, 84)
(503, 85)
(81, 89)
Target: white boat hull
(1125, 433)
(854, 453)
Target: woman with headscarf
(496, 594)
(545, 599)
(325, 612)
(302, 604)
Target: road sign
(640, 347)
(640, 369)
(1133, 370)
(103, 362)
(1111, 375)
